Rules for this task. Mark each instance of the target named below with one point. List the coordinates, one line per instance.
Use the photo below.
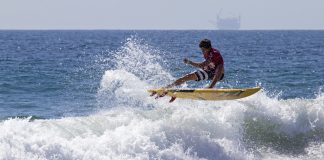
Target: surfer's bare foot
(164, 93)
(153, 93)
(161, 95)
(172, 99)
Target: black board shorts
(206, 75)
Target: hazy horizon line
(89, 29)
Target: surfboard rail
(207, 94)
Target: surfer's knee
(190, 76)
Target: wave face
(131, 125)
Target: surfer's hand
(186, 61)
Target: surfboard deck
(207, 94)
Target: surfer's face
(204, 50)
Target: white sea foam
(132, 125)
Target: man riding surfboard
(212, 68)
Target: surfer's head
(205, 45)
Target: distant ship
(228, 23)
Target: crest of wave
(137, 68)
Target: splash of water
(141, 60)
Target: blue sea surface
(57, 73)
(90, 85)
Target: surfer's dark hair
(205, 43)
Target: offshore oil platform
(228, 23)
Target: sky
(159, 14)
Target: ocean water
(82, 95)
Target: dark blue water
(57, 73)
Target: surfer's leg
(188, 77)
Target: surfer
(212, 68)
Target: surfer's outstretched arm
(196, 64)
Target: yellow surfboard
(207, 94)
